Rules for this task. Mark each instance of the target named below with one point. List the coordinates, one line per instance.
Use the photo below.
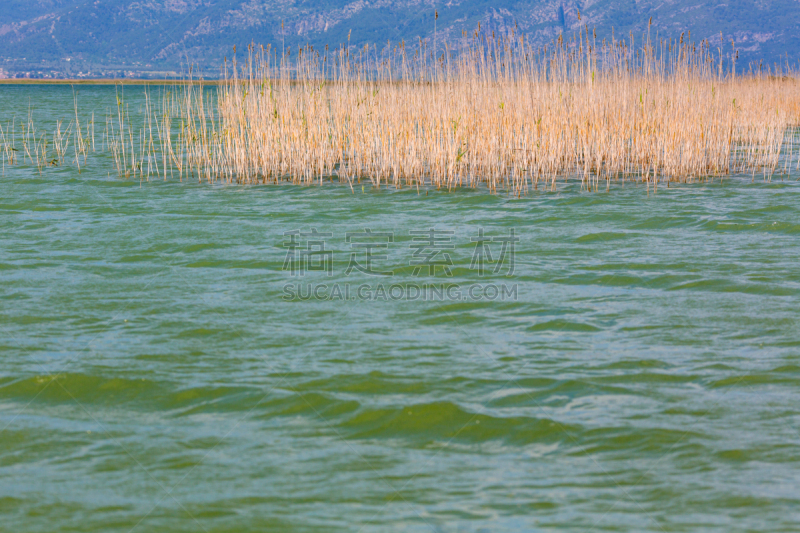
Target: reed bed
(489, 112)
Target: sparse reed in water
(497, 113)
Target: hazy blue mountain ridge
(154, 37)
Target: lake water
(179, 356)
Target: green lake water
(162, 368)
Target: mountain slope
(94, 37)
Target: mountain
(89, 38)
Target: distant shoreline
(102, 81)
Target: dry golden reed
(499, 113)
